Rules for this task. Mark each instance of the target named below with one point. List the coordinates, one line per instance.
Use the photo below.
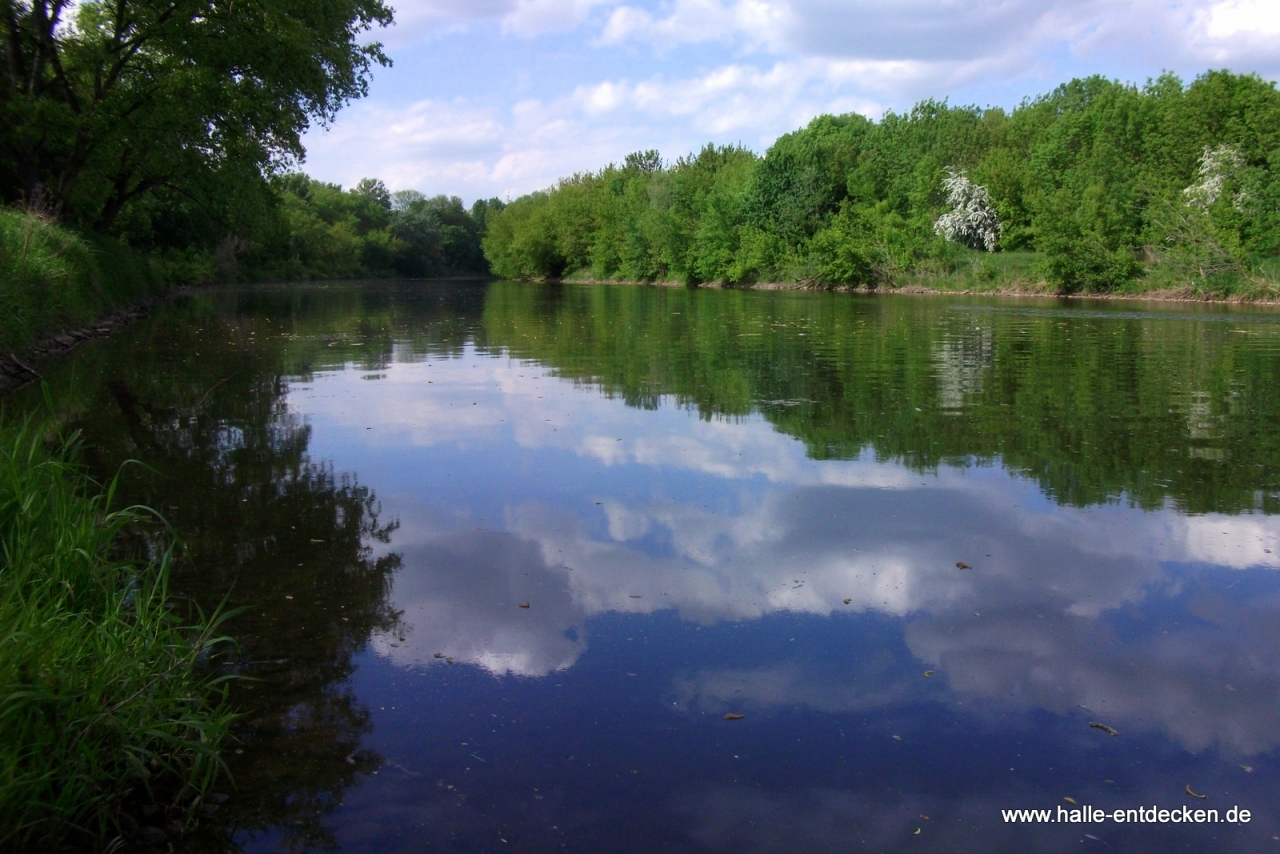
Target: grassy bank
(110, 723)
(52, 278)
(1023, 273)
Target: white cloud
(1250, 17)
(428, 145)
(531, 17)
(461, 149)
(698, 21)
(730, 99)
(921, 48)
(418, 19)
(474, 151)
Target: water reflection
(1094, 406)
(1057, 611)
(199, 399)
(714, 503)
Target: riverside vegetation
(107, 712)
(140, 142)
(1096, 187)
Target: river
(585, 568)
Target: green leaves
(189, 96)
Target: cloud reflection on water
(1064, 607)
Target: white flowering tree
(971, 220)
(1194, 240)
(1218, 165)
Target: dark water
(717, 503)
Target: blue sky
(502, 97)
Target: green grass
(52, 278)
(977, 272)
(1256, 282)
(108, 709)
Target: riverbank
(1008, 275)
(54, 279)
(15, 371)
(110, 719)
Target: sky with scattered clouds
(501, 97)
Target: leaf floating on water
(524, 605)
(317, 541)
(1195, 794)
(439, 655)
(928, 673)
(1248, 769)
(847, 601)
(1070, 800)
(917, 833)
(1108, 730)
(897, 738)
(962, 565)
(734, 717)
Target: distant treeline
(315, 230)
(1106, 182)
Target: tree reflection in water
(282, 536)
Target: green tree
(105, 101)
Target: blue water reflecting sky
(678, 569)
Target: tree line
(316, 230)
(1111, 185)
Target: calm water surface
(514, 552)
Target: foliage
(1093, 176)
(52, 277)
(106, 102)
(104, 702)
(316, 230)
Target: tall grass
(52, 277)
(107, 708)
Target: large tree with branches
(103, 101)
